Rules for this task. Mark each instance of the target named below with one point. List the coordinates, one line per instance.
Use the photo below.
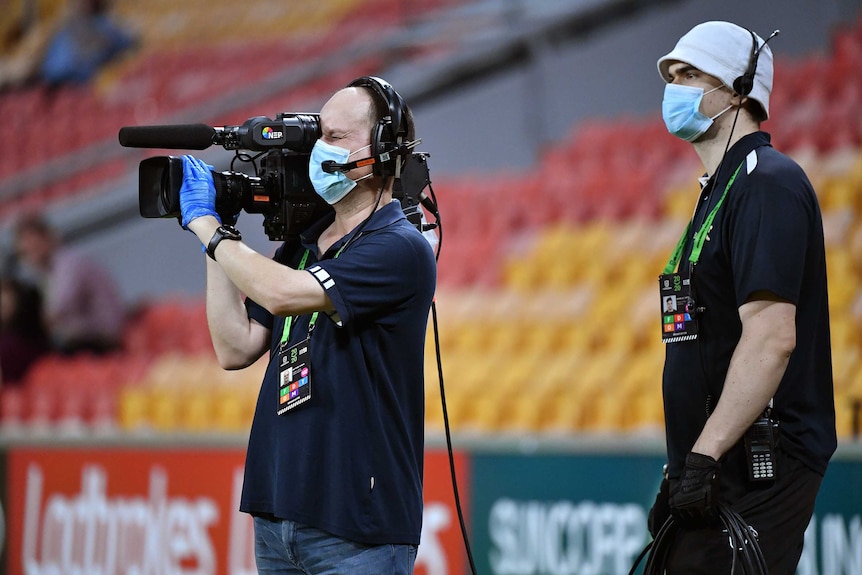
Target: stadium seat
(13, 408)
(133, 409)
(558, 279)
(644, 413)
(564, 415)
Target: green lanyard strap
(701, 236)
(288, 322)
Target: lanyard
(702, 233)
(288, 322)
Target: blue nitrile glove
(197, 193)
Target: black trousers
(779, 512)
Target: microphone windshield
(179, 136)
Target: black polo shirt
(767, 236)
(349, 461)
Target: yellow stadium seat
(134, 408)
(843, 414)
(519, 415)
(232, 409)
(165, 409)
(845, 358)
(517, 374)
(644, 412)
(481, 414)
(196, 410)
(565, 415)
(602, 411)
(559, 374)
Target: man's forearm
(756, 368)
(751, 382)
(229, 325)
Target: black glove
(660, 511)
(694, 496)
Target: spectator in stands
(762, 351)
(69, 48)
(86, 39)
(84, 311)
(26, 33)
(23, 338)
(334, 476)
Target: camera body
(280, 190)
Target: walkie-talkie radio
(760, 442)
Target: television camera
(280, 190)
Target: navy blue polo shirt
(767, 236)
(349, 460)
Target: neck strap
(701, 235)
(288, 321)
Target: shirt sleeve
(258, 313)
(384, 270)
(771, 226)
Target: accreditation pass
(294, 376)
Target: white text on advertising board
(564, 538)
(89, 533)
(92, 533)
(833, 546)
(588, 538)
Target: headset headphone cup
(391, 130)
(743, 85)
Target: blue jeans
(289, 548)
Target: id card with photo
(294, 376)
(678, 321)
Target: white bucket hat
(723, 50)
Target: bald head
(349, 113)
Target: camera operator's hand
(197, 193)
(693, 497)
(660, 511)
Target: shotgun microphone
(179, 136)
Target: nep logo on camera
(270, 134)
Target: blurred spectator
(23, 338)
(71, 48)
(86, 39)
(27, 28)
(83, 308)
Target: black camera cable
(438, 226)
(746, 555)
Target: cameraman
(749, 380)
(333, 473)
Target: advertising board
(168, 511)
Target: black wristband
(222, 233)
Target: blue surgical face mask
(680, 110)
(331, 187)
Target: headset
(388, 137)
(743, 85)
